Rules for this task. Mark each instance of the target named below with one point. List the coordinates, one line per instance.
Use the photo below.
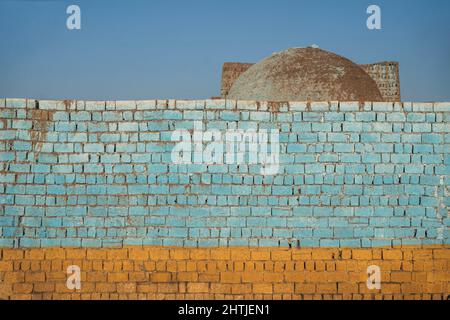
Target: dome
(305, 74)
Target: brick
(250, 277)
(23, 288)
(147, 288)
(198, 287)
(389, 254)
(220, 254)
(161, 277)
(117, 254)
(6, 266)
(363, 254)
(96, 254)
(230, 277)
(76, 254)
(260, 255)
(265, 288)
(118, 277)
(441, 254)
(281, 255)
(12, 254)
(35, 277)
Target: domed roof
(305, 74)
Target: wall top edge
(223, 104)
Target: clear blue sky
(138, 49)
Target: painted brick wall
(358, 184)
(98, 174)
(225, 273)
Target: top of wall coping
(224, 104)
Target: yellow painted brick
(108, 265)
(159, 254)
(220, 254)
(345, 254)
(263, 288)
(34, 254)
(327, 287)
(14, 277)
(197, 287)
(223, 266)
(96, 276)
(138, 276)
(187, 276)
(138, 254)
(161, 277)
(310, 265)
(78, 254)
(283, 288)
(57, 276)
(6, 266)
(390, 288)
(268, 266)
(126, 287)
(23, 288)
(400, 276)
(392, 254)
(167, 287)
(423, 254)
(13, 254)
(117, 254)
(441, 253)
(96, 254)
(273, 277)
(238, 266)
(411, 288)
(230, 277)
(179, 254)
(105, 287)
(128, 265)
(347, 287)
(330, 266)
(192, 266)
(221, 288)
(336, 276)
(147, 288)
(252, 277)
(305, 288)
(324, 254)
(148, 266)
(281, 255)
(302, 254)
(55, 253)
(118, 277)
(241, 288)
(294, 276)
(35, 277)
(199, 254)
(240, 254)
(319, 266)
(260, 255)
(161, 265)
(44, 287)
(362, 254)
(56, 265)
(171, 266)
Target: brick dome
(305, 74)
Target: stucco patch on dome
(305, 74)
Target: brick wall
(225, 273)
(352, 177)
(230, 72)
(387, 77)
